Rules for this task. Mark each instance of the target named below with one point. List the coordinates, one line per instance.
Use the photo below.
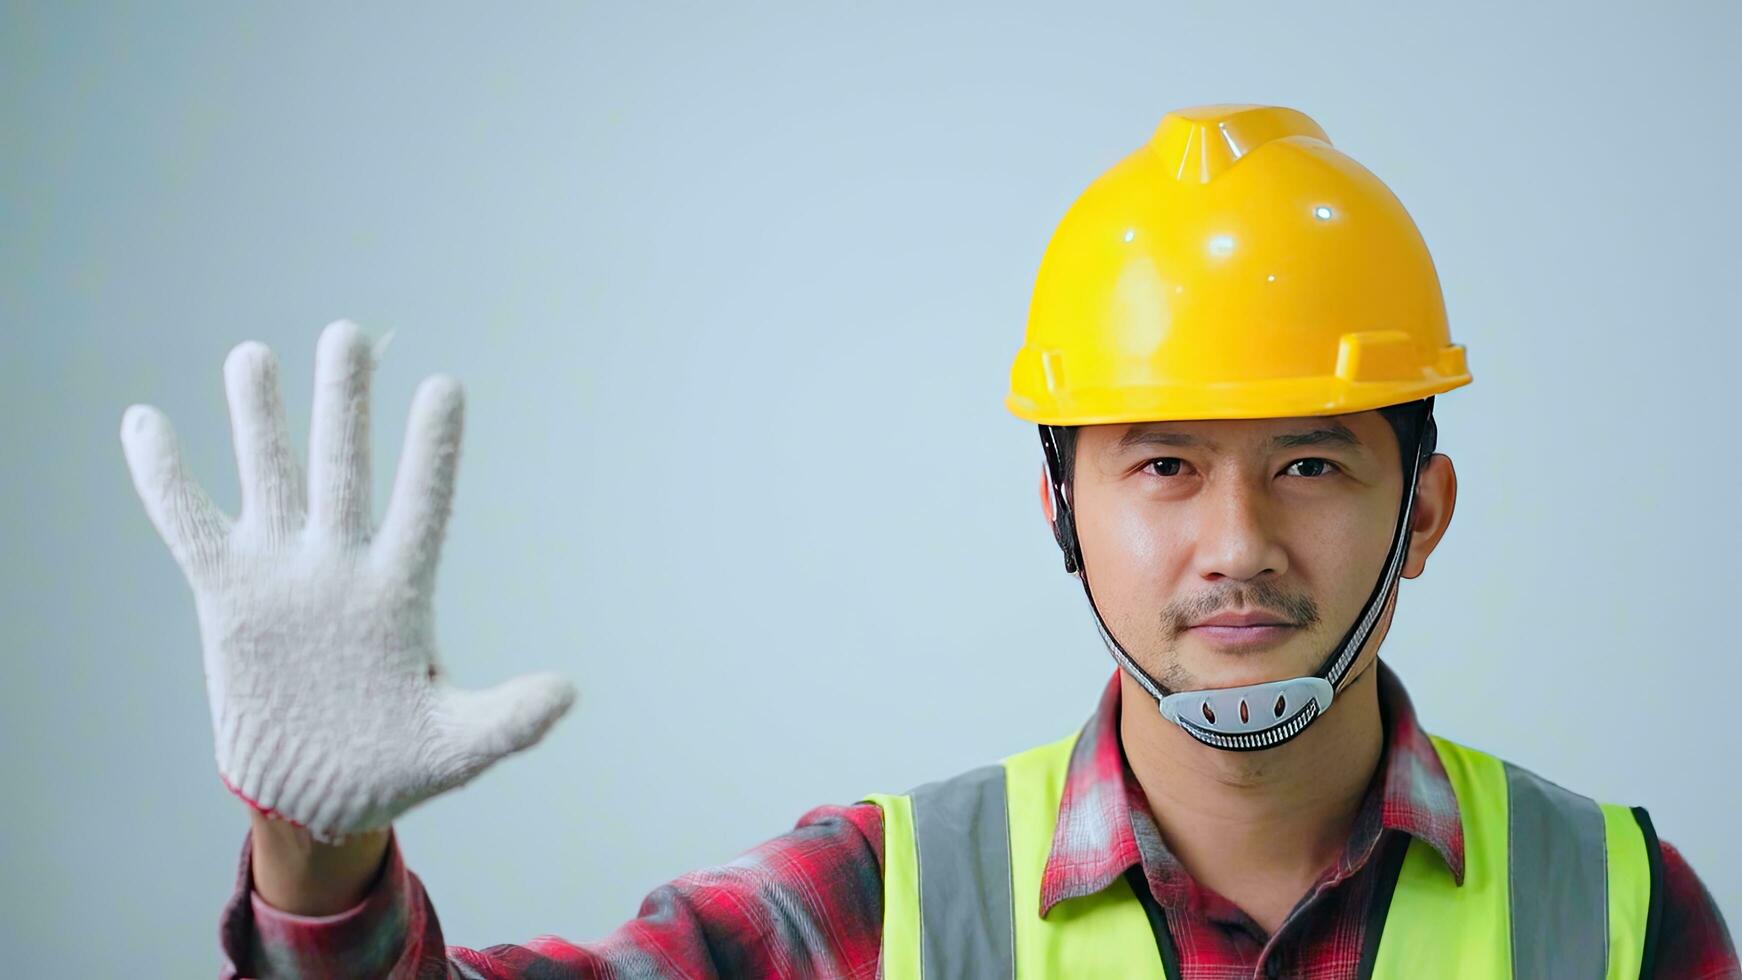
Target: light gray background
(733, 295)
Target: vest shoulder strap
(963, 861)
(947, 845)
(1555, 884)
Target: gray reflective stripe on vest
(962, 837)
(1559, 875)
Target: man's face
(1223, 553)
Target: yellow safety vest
(1555, 885)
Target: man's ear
(1046, 497)
(1436, 493)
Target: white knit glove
(328, 705)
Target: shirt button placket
(1273, 967)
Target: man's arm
(807, 903)
(1693, 942)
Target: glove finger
(271, 480)
(339, 465)
(476, 728)
(185, 517)
(423, 487)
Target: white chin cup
(1248, 710)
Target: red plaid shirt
(810, 902)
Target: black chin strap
(1416, 445)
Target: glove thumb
(476, 728)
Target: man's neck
(1256, 827)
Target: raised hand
(328, 703)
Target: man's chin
(1207, 670)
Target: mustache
(1297, 609)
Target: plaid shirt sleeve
(1694, 943)
(806, 903)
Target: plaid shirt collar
(1105, 825)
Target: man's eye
(1310, 467)
(1167, 466)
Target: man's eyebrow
(1332, 433)
(1137, 436)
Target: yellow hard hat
(1235, 266)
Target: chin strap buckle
(1253, 716)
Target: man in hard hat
(1232, 353)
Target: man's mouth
(1250, 630)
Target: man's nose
(1237, 540)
